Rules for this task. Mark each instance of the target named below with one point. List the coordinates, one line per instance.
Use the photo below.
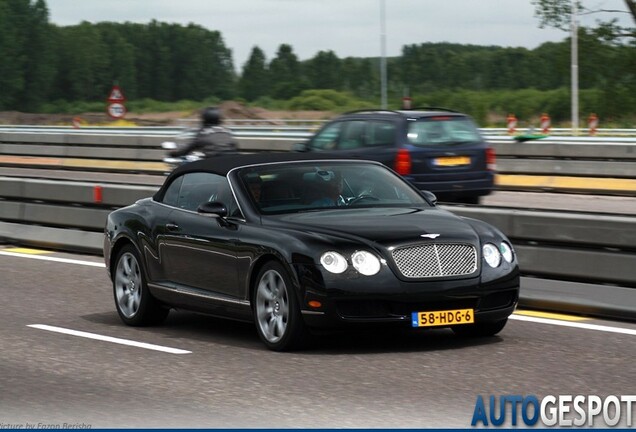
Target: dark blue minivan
(434, 148)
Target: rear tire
(135, 305)
(279, 322)
(482, 329)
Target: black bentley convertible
(296, 243)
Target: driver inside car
(324, 189)
(255, 186)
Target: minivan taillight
(491, 159)
(403, 162)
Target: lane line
(109, 339)
(566, 182)
(28, 251)
(54, 259)
(631, 332)
(550, 315)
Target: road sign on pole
(116, 110)
(116, 95)
(116, 99)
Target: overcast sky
(348, 27)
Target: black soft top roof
(223, 164)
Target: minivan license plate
(452, 161)
(442, 318)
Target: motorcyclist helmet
(211, 116)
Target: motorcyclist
(212, 139)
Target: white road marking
(54, 259)
(579, 325)
(109, 339)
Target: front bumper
(366, 301)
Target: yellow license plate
(452, 161)
(442, 318)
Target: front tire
(276, 312)
(135, 305)
(482, 329)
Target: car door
(200, 251)
(327, 138)
(368, 139)
(154, 245)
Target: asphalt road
(228, 379)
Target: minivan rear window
(442, 131)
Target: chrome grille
(435, 260)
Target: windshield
(308, 186)
(443, 130)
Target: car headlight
(492, 255)
(366, 263)
(506, 251)
(333, 262)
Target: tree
(82, 69)
(557, 14)
(12, 39)
(255, 79)
(121, 59)
(40, 57)
(285, 73)
(324, 71)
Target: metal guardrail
(300, 128)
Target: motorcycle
(176, 161)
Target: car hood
(386, 226)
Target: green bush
(326, 100)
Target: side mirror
(214, 209)
(300, 147)
(168, 145)
(430, 196)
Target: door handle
(172, 227)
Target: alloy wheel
(272, 306)
(128, 285)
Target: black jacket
(212, 141)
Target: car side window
(226, 196)
(327, 138)
(380, 133)
(352, 135)
(201, 187)
(171, 197)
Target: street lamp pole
(575, 68)
(383, 102)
